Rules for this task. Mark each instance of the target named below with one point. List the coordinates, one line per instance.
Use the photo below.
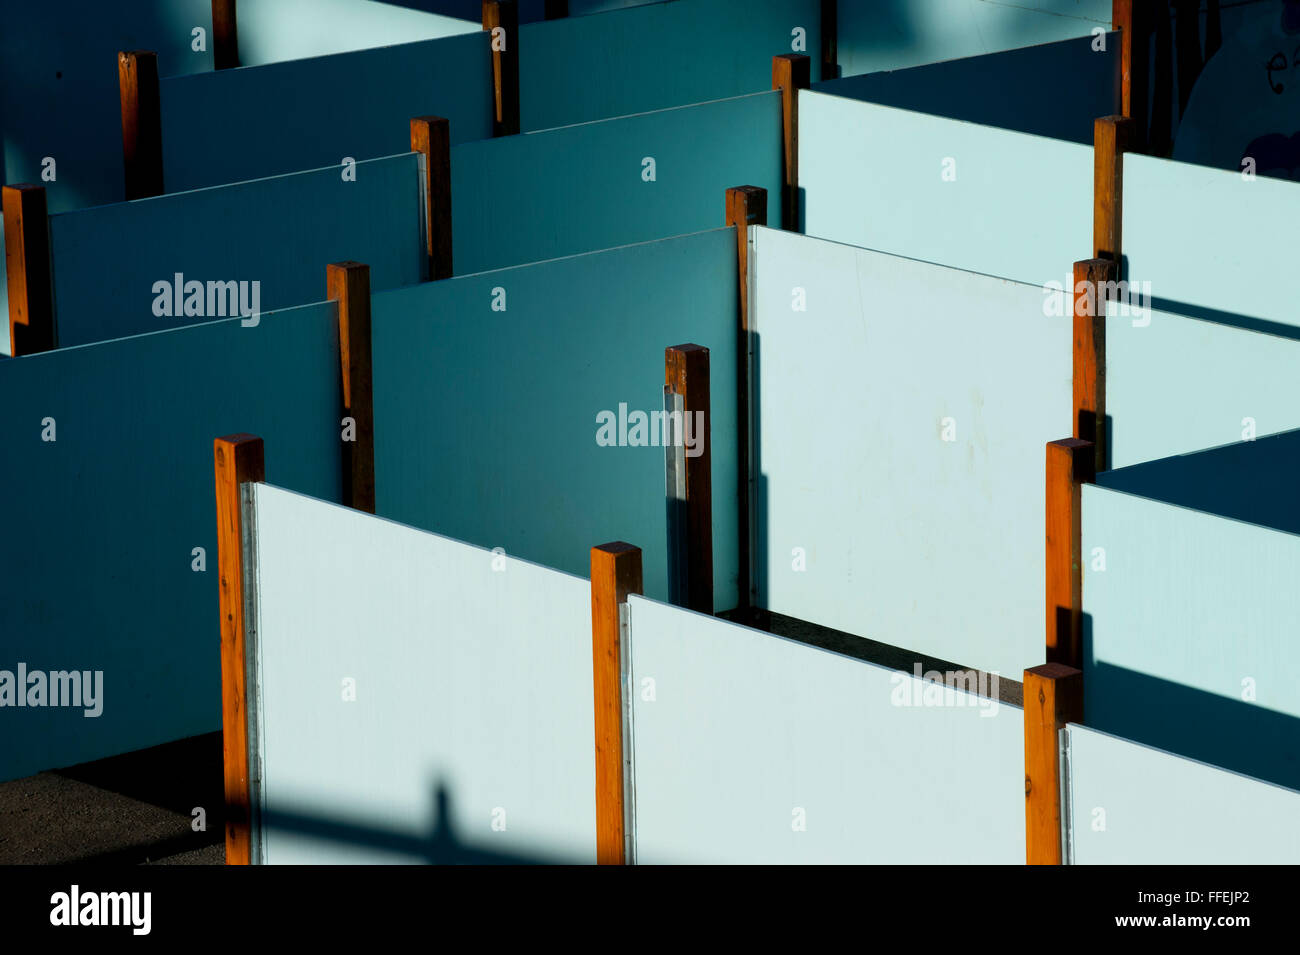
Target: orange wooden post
(501, 18)
(431, 135)
(27, 269)
(1112, 137)
(1053, 697)
(746, 206)
(686, 386)
(137, 76)
(1129, 17)
(830, 39)
(225, 35)
(348, 283)
(238, 459)
(615, 573)
(790, 74)
(1069, 467)
(1094, 283)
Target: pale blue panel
(95, 571)
(1161, 809)
(1055, 89)
(271, 31)
(891, 34)
(486, 421)
(4, 295)
(473, 696)
(745, 729)
(909, 539)
(1020, 206)
(1167, 206)
(232, 125)
(1190, 614)
(543, 195)
(1175, 384)
(59, 89)
(280, 232)
(655, 56)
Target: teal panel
(1055, 89)
(1166, 208)
(1176, 385)
(1019, 206)
(279, 232)
(756, 749)
(271, 31)
(96, 572)
(468, 737)
(1133, 805)
(890, 35)
(233, 125)
(543, 195)
(59, 89)
(902, 414)
(486, 421)
(1190, 610)
(579, 69)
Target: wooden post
(431, 135)
(615, 573)
(1130, 18)
(1053, 697)
(27, 270)
(1111, 137)
(746, 206)
(238, 459)
(348, 283)
(790, 73)
(555, 9)
(830, 30)
(137, 76)
(501, 18)
(225, 35)
(686, 377)
(1069, 467)
(1094, 281)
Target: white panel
(470, 681)
(925, 543)
(1165, 810)
(745, 729)
(1012, 205)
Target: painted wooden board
(97, 571)
(272, 31)
(486, 419)
(901, 422)
(1189, 609)
(654, 56)
(1176, 384)
(890, 36)
(1160, 809)
(750, 748)
(543, 195)
(1053, 89)
(233, 125)
(1019, 207)
(279, 232)
(468, 737)
(1166, 206)
(59, 87)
